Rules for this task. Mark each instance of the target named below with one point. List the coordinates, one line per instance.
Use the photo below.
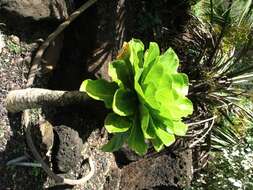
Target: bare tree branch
(19, 100)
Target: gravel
(15, 57)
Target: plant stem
(19, 100)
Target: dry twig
(37, 59)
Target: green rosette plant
(147, 96)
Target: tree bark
(19, 100)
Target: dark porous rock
(67, 148)
(170, 171)
(36, 9)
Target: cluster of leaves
(147, 96)
(233, 17)
(226, 59)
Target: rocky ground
(18, 43)
(15, 57)
(19, 38)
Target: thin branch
(37, 59)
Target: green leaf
(116, 124)
(150, 57)
(159, 77)
(173, 106)
(137, 87)
(157, 143)
(154, 74)
(170, 60)
(119, 71)
(161, 68)
(100, 90)
(179, 128)
(163, 135)
(151, 54)
(147, 129)
(124, 102)
(136, 139)
(180, 83)
(169, 125)
(136, 48)
(115, 143)
(184, 106)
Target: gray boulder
(36, 9)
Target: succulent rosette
(147, 96)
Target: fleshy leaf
(136, 139)
(151, 54)
(117, 124)
(179, 128)
(137, 86)
(173, 106)
(185, 106)
(154, 74)
(100, 90)
(158, 76)
(150, 57)
(180, 83)
(124, 102)
(163, 135)
(149, 93)
(136, 48)
(157, 143)
(115, 143)
(170, 60)
(147, 129)
(119, 71)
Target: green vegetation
(147, 96)
(14, 48)
(224, 89)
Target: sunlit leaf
(117, 124)
(136, 139)
(163, 135)
(119, 71)
(124, 102)
(179, 128)
(115, 143)
(100, 90)
(158, 144)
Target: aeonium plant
(147, 97)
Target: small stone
(17, 60)
(67, 151)
(15, 39)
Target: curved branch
(203, 136)
(50, 173)
(37, 59)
